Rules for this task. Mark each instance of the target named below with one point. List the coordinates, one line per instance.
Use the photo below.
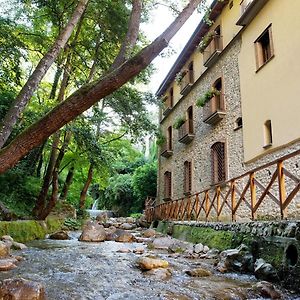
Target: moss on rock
(28, 230)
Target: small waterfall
(95, 204)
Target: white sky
(159, 22)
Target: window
(264, 48)
(171, 97)
(187, 177)
(191, 73)
(190, 119)
(169, 141)
(268, 139)
(167, 185)
(218, 161)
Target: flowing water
(76, 270)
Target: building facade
(229, 103)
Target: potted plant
(207, 96)
(179, 76)
(178, 122)
(205, 41)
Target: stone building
(229, 103)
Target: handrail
(230, 194)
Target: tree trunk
(41, 200)
(34, 80)
(89, 94)
(68, 182)
(86, 187)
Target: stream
(76, 270)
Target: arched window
(169, 140)
(218, 102)
(187, 177)
(171, 97)
(167, 185)
(190, 118)
(191, 72)
(218, 162)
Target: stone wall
(199, 150)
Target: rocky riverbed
(149, 267)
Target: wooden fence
(262, 186)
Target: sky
(159, 22)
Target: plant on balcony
(207, 96)
(178, 122)
(160, 139)
(205, 41)
(179, 76)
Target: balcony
(167, 106)
(186, 132)
(249, 9)
(166, 150)
(185, 84)
(212, 51)
(214, 110)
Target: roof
(216, 8)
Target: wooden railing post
(189, 208)
(218, 202)
(206, 205)
(282, 192)
(233, 201)
(197, 206)
(253, 195)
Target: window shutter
(218, 162)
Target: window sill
(267, 146)
(259, 68)
(237, 128)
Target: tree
(88, 95)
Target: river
(95, 271)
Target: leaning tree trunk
(89, 94)
(36, 77)
(86, 187)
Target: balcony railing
(186, 132)
(249, 9)
(212, 50)
(166, 150)
(186, 83)
(214, 110)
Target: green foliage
(178, 122)
(144, 184)
(205, 41)
(72, 224)
(160, 138)
(207, 96)
(136, 215)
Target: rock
(142, 222)
(110, 233)
(198, 272)
(130, 220)
(102, 217)
(7, 238)
(149, 233)
(198, 248)
(163, 242)
(212, 253)
(7, 264)
(21, 289)
(127, 226)
(267, 290)
(139, 250)
(148, 263)
(123, 236)
(4, 249)
(93, 232)
(264, 270)
(18, 246)
(205, 249)
(290, 230)
(180, 247)
(143, 240)
(124, 250)
(160, 273)
(59, 235)
(239, 259)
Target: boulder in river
(267, 290)
(198, 272)
(123, 236)
(102, 217)
(264, 270)
(4, 249)
(149, 233)
(127, 226)
(21, 289)
(160, 273)
(239, 259)
(93, 232)
(59, 235)
(148, 263)
(162, 242)
(7, 264)
(198, 248)
(18, 246)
